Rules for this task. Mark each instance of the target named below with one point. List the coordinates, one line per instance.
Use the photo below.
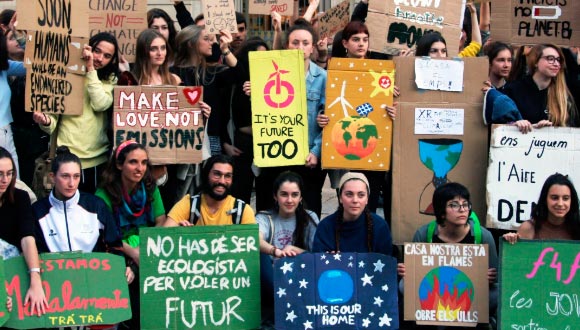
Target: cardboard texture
(446, 284)
(80, 288)
(336, 291)
(55, 71)
(265, 7)
(539, 288)
(219, 15)
(167, 120)
(518, 168)
(421, 162)
(399, 24)
(334, 19)
(200, 277)
(279, 113)
(125, 20)
(359, 131)
(535, 22)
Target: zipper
(67, 231)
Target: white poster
(442, 75)
(439, 121)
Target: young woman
(17, 230)
(556, 215)
(286, 230)
(152, 58)
(500, 64)
(132, 196)
(302, 36)
(159, 20)
(353, 228)
(543, 98)
(86, 134)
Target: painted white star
(288, 305)
(385, 287)
(291, 316)
(290, 281)
(332, 85)
(367, 280)
(360, 89)
(281, 292)
(299, 294)
(378, 301)
(287, 267)
(303, 283)
(385, 320)
(302, 266)
(361, 264)
(371, 314)
(350, 258)
(327, 262)
(379, 266)
(366, 322)
(337, 256)
(351, 65)
(322, 257)
(307, 325)
(350, 265)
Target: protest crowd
(81, 181)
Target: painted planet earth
(354, 137)
(446, 288)
(335, 287)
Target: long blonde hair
(561, 107)
(142, 69)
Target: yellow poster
(359, 132)
(279, 121)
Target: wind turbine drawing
(343, 101)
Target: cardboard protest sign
(536, 22)
(55, 70)
(201, 277)
(167, 120)
(219, 15)
(336, 291)
(125, 20)
(439, 137)
(446, 284)
(399, 24)
(279, 113)
(334, 19)
(539, 288)
(518, 167)
(359, 131)
(80, 288)
(265, 7)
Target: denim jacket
(315, 100)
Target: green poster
(81, 289)
(201, 277)
(4, 315)
(538, 285)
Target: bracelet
(34, 270)
(227, 52)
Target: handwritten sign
(219, 15)
(279, 120)
(443, 75)
(444, 285)
(55, 71)
(123, 19)
(81, 289)
(167, 120)
(539, 288)
(265, 7)
(536, 22)
(439, 121)
(518, 168)
(200, 277)
(336, 291)
(399, 24)
(334, 19)
(359, 132)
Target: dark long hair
(425, 42)
(242, 54)
(299, 237)
(493, 50)
(154, 13)
(8, 196)
(63, 156)
(142, 67)
(444, 194)
(3, 53)
(540, 211)
(112, 182)
(340, 221)
(112, 68)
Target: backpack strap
(238, 211)
(476, 229)
(431, 231)
(194, 213)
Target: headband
(122, 146)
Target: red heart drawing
(192, 94)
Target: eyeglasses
(216, 175)
(6, 175)
(455, 206)
(551, 59)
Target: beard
(216, 196)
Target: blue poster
(339, 291)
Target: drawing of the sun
(383, 82)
